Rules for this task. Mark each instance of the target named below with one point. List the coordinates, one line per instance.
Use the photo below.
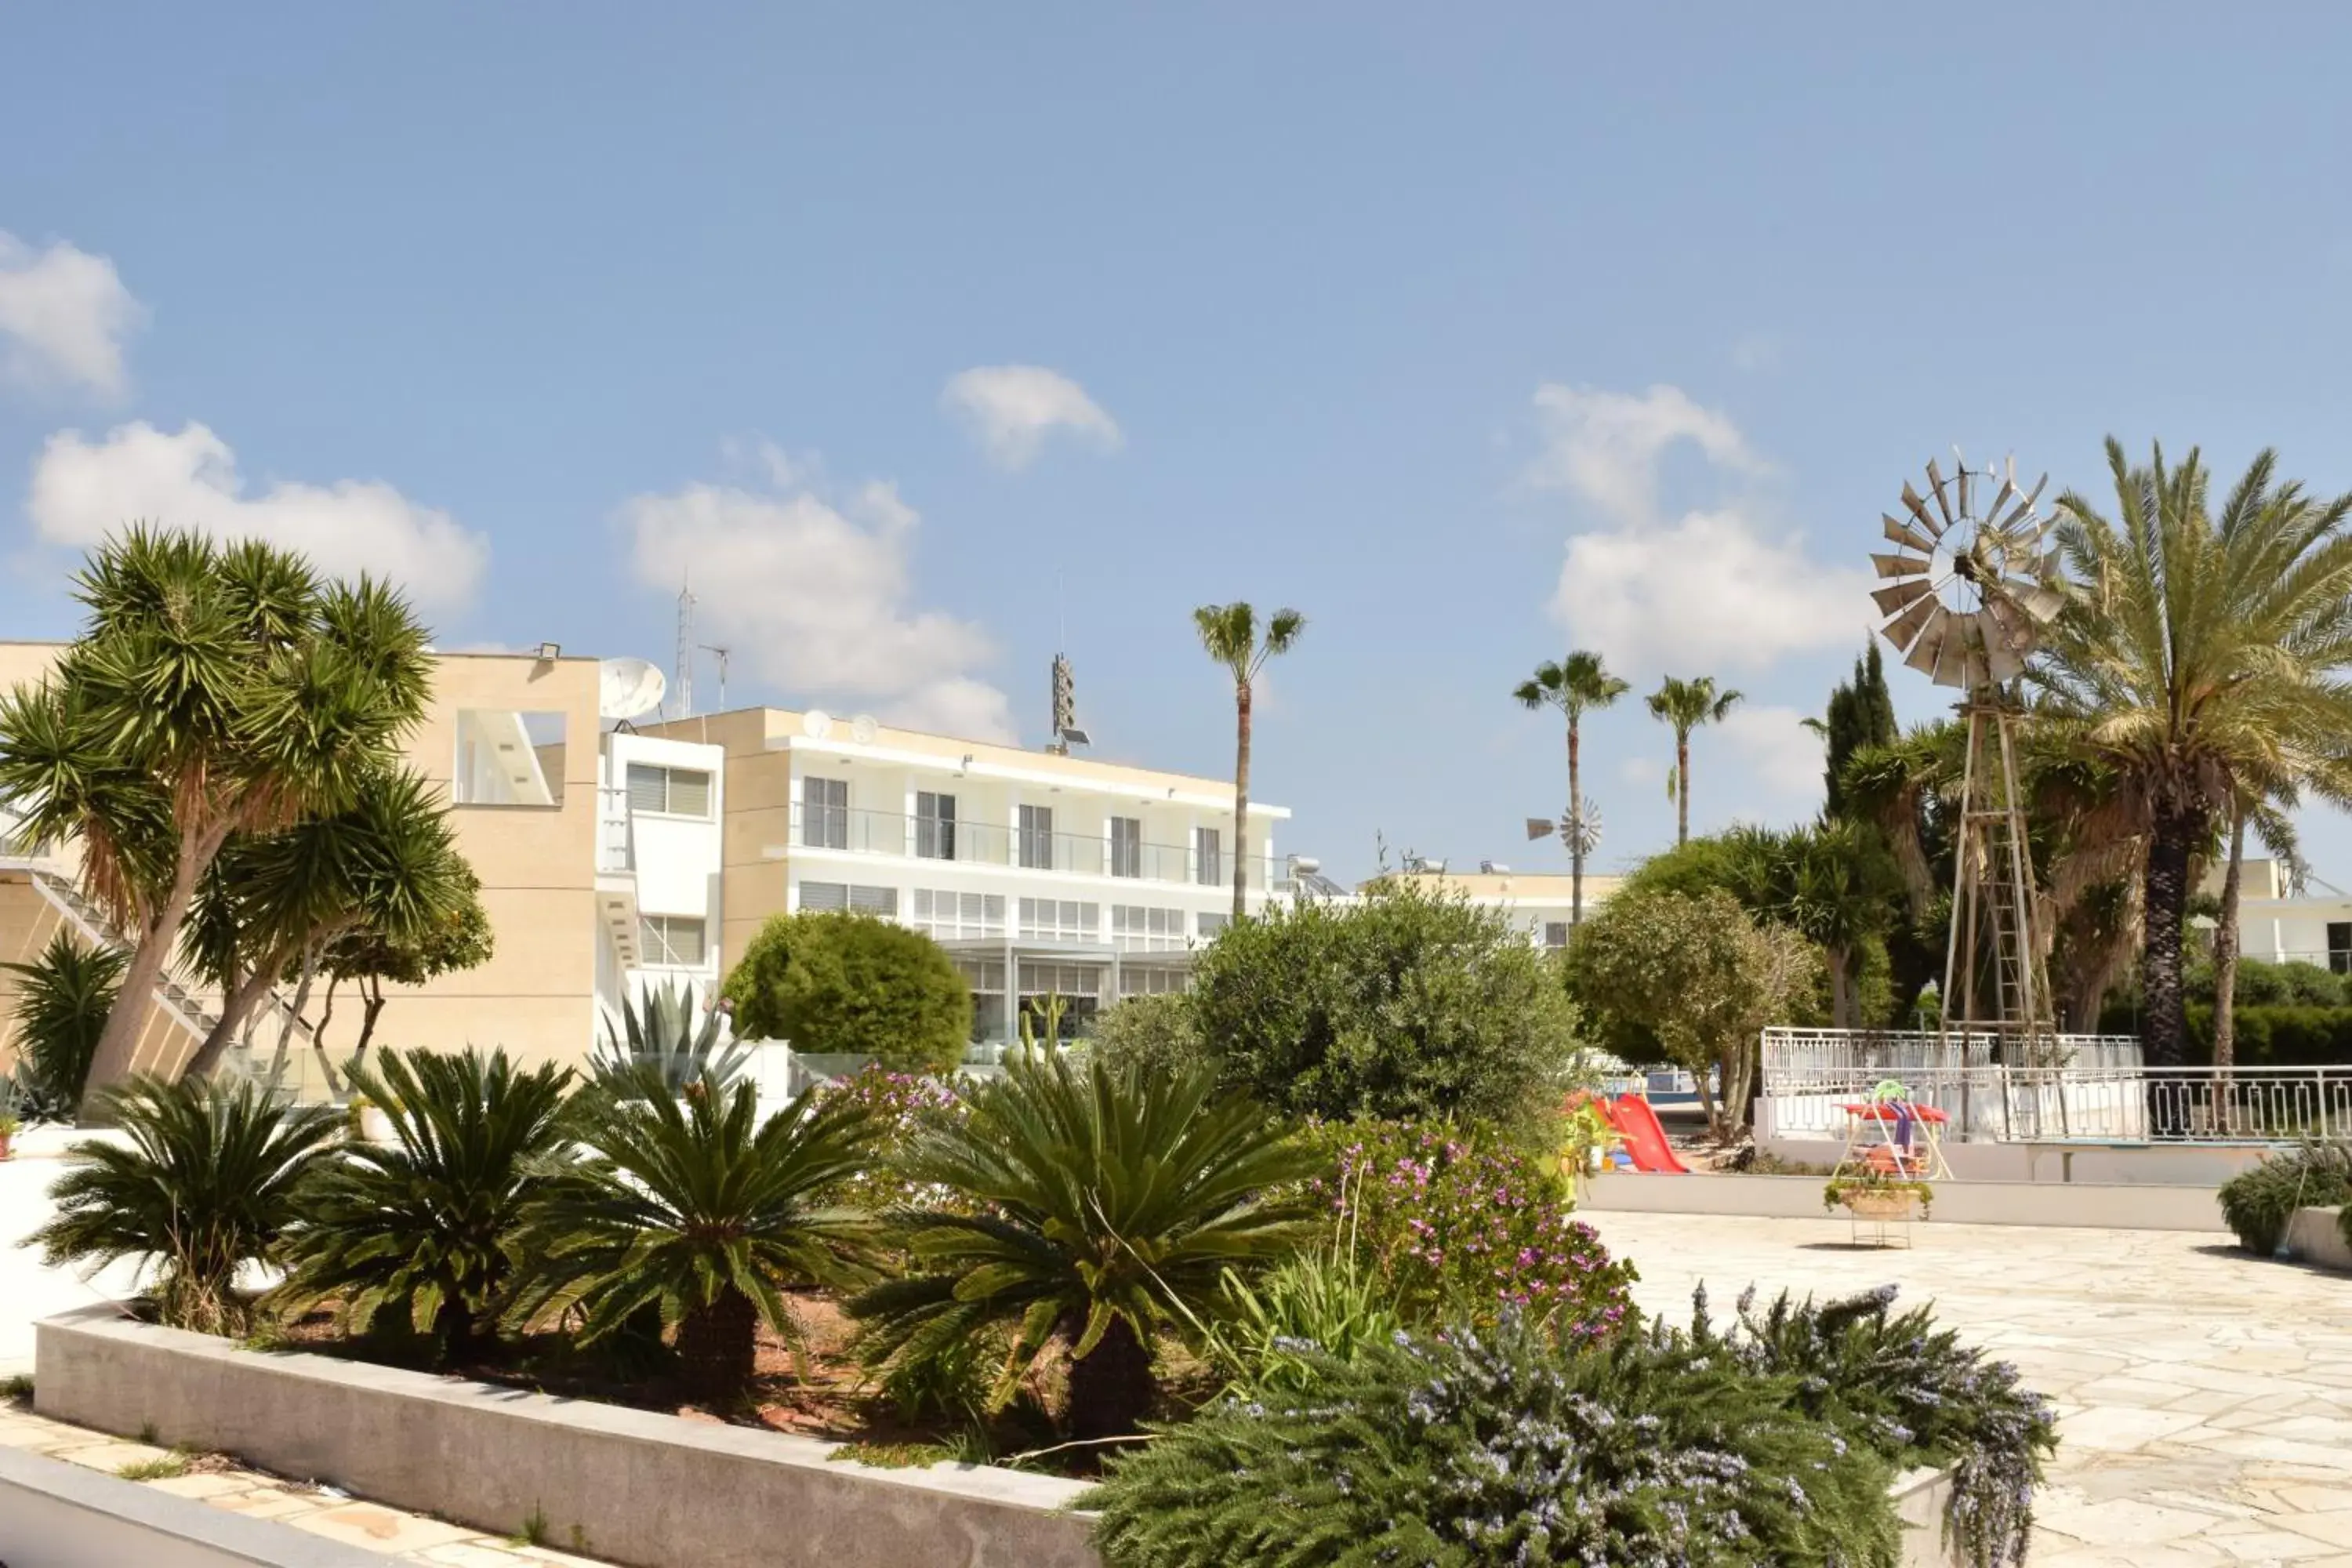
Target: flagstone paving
(2205, 1396)
(401, 1537)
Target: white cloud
(64, 315)
(84, 490)
(1013, 408)
(1778, 754)
(1605, 447)
(1757, 351)
(812, 596)
(1714, 591)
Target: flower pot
(375, 1124)
(1864, 1204)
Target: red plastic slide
(1646, 1141)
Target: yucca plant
(665, 1034)
(1106, 1207)
(426, 1226)
(209, 1181)
(62, 1000)
(695, 1208)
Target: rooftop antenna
(685, 644)
(720, 655)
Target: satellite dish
(862, 729)
(627, 688)
(816, 723)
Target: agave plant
(209, 1181)
(694, 1206)
(427, 1226)
(665, 1034)
(1108, 1206)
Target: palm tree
(1106, 1206)
(2197, 653)
(427, 1225)
(1230, 632)
(697, 1209)
(1686, 705)
(1577, 683)
(216, 689)
(62, 1000)
(208, 1181)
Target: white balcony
(896, 834)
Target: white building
(2282, 927)
(1542, 903)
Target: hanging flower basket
(1878, 1197)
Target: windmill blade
(1892, 599)
(1904, 627)
(2011, 630)
(1935, 489)
(1918, 509)
(2002, 659)
(1952, 659)
(1930, 647)
(1962, 480)
(1924, 544)
(1898, 565)
(2039, 603)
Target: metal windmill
(1579, 827)
(1968, 593)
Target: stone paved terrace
(2205, 1396)
(401, 1537)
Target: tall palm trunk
(1842, 987)
(1576, 825)
(1241, 794)
(1682, 786)
(2226, 945)
(2177, 830)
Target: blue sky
(1476, 333)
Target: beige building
(1542, 903)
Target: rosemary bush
(2258, 1202)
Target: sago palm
(1576, 684)
(2198, 656)
(697, 1208)
(1229, 634)
(1685, 705)
(1106, 1207)
(208, 1181)
(62, 1000)
(426, 1227)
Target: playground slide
(1646, 1141)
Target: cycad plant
(62, 1000)
(696, 1207)
(664, 1034)
(426, 1226)
(209, 1180)
(1107, 1207)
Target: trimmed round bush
(838, 982)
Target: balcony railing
(863, 832)
(2122, 1104)
(614, 852)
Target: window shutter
(689, 793)
(649, 788)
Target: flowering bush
(900, 1103)
(1459, 1230)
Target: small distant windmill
(1579, 830)
(1969, 591)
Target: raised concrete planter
(57, 1515)
(653, 1491)
(643, 1488)
(1956, 1202)
(2314, 1237)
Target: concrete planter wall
(649, 1491)
(2313, 1236)
(57, 1515)
(1956, 1202)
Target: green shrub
(2282, 1035)
(1323, 1303)
(1457, 1229)
(62, 1000)
(1501, 1446)
(1105, 1207)
(1407, 1006)
(1154, 1034)
(898, 1105)
(2258, 1202)
(694, 1208)
(426, 1226)
(845, 983)
(209, 1184)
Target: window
(935, 825)
(951, 916)
(845, 895)
(1209, 925)
(985, 977)
(508, 757)
(1209, 855)
(1037, 836)
(1137, 928)
(1058, 919)
(825, 813)
(1127, 846)
(1078, 985)
(671, 940)
(1151, 980)
(2339, 946)
(1555, 933)
(677, 792)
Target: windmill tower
(1968, 593)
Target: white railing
(1890, 1053)
(2092, 1104)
